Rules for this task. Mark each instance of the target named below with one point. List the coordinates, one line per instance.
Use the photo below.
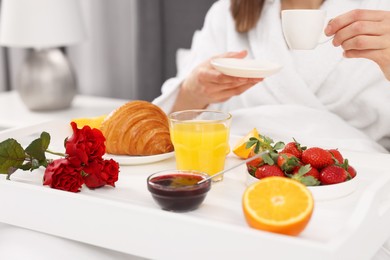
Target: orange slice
(240, 148)
(279, 205)
(93, 122)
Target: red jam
(178, 191)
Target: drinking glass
(201, 140)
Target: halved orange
(279, 205)
(240, 148)
(93, 122)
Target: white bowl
(324, 192)
(245, 68)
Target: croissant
(137, 128)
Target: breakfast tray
(126, 219)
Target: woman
(319, 89)
(323, 79)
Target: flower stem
(55, 153)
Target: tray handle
(369, 223)
(374, 204)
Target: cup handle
(325, 40)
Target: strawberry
(266, 170)
(294, 148)
(333, 174)
(336, 155)
(309, 171)
(317, 157)
(306, 175)
(351, 171)
(287, 161)
(254, 164)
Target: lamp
(46, 80)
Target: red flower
(101, 172)
(110, 172)
(84, 145)
(83, 163)
(92, 174)
(62, 175)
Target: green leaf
(274, 155)
(253, 141)
(257, 148)
(303, 170)
(279, 145)
(38, 147)
(45, 136)
(250, 143)
(12, 155)
(310, 181)
(267, 139)
(289, 163)
(35, 164)
(11, 170)
(344, 165)
(267, 159)
(25, 167)
(252, 170)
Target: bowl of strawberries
(326, 172)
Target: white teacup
(303, 29)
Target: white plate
(59, 130)
(136, 160)
(245, 68)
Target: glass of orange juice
(201, 140)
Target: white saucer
(136, 160)
(245, 68)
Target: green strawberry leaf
(279, 146)
(344, 165)
(310, 181)
(252, 170)
(299, 146)
(290, 163)
(253, 141)
(12, 156)
(267, 139)
(303, 170)
(274, 155)
(267, 159)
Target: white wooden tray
(126, 218)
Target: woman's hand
(205, 85)
(363, 34)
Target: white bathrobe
(317, 96)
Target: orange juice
(200, 145)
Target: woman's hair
(246, 13)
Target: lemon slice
(93, 122)
(240, 148)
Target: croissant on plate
(137, 128)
